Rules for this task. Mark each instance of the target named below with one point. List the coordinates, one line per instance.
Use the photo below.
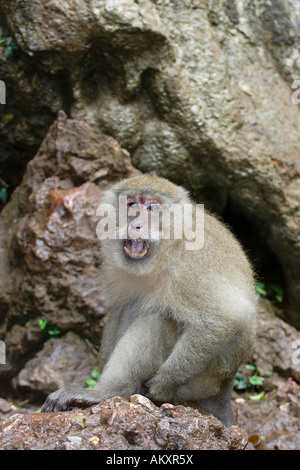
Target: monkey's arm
(109, 336)
(126, 369)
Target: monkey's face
(143, 228)
(141, 218)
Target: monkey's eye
(153, 207)
(133, 204)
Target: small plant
(257, 396)
(276, 291)
(270, 290)
(91, 382)
(3, 195)
(8, 43)
(240, 381)
(42, 324)
(243, 381)
(3, 185)
(255, 379)
(53, 331)
(260, 289)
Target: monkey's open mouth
(136, 249)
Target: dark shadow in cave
(265, 262)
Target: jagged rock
(49, 251)
(9, 408)
(277, 346)
(118, 424)
(63, 362)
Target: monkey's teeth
(126, 249)
(136, 248)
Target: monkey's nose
(135, 230)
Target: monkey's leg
(193, 354)
(137, 355)
(211, 391)
(220, 404)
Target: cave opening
(270, 278)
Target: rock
(63, 362)
(275, 421)
(9, 408)
(118, 424)
(49, 254)
(5, 406)
(276, 344)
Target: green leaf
(42, 324)
(250, 367)
(8, 51)
(2, 41)
(90, 383)
(260, 288)
(277, 291)
(54, 332)
(3, 195)
(257, 397)
(10, 47)
(95, 374)
(240, 381)
(256, 380)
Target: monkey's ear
(151, 173)
(109, 196)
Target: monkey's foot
(64, 399)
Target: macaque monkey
(182, 318)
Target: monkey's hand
(66, 398)
(158, 391)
